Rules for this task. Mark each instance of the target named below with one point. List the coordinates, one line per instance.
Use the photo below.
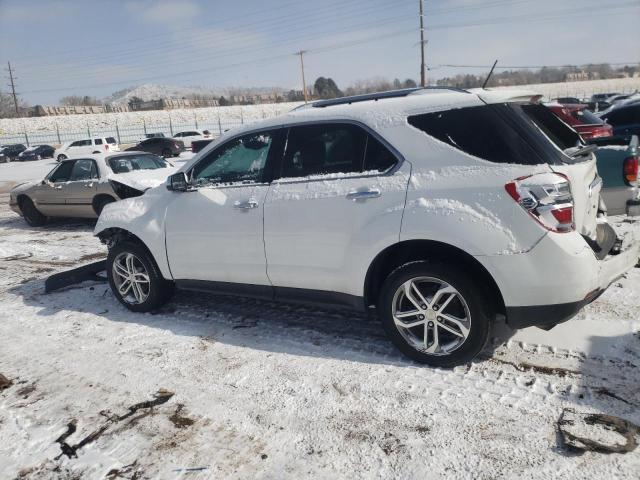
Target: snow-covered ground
(238, 388)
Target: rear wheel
(166, 153)
(31, 214)
(435, 313)
(135, 279)
(61, 157)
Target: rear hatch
(569, 156)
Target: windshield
(132, 163)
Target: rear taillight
(547, 198)
(630, 170)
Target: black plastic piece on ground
(77, 275)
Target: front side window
(83, 170)
(131, 163)
(240, 160)
(62, 172)
(323, 149)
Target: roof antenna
(490, 73)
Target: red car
(582, 121)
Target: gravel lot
(214, 387)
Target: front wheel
(31, 214)
(135, 278)
(61, 157)
(435, 313)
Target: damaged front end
(124, 191)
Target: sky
(96, 47)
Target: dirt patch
(24, 392)
(93, 256)
(179, 420)
(597, 432)
(162, 396)
(523, 367)
(4, 382)
(131, 472)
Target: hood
(143, 179)
(21, 187)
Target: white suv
(441, 210)
(86, 147)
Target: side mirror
(178, 182)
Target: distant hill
(150, 91)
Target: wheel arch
(99, 197)
(414, 250)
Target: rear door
(338, 196)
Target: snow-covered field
(213, 387)
(131, 126)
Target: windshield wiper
(580, 150)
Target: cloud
(164, 12)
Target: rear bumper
(556, 279)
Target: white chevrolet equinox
(441, 210)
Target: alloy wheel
(131, 278)
(431, 315)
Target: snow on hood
(143, 179)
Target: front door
(215, 233)
(81, 189)
(50, 195)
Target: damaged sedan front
(82, 187)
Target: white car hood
(143, 179)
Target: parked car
(4, 158)
(191, 135)
(568, 100)
(582, 121)
(36, 152)
(440, 210)
(12, 151)
(81, 187)
(617, 159)
(88, 146)
(167, 147)
(625, 120)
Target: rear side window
(501, 133)
(83, 170)
(478, 131)
(111, 140)
(377, 157)
(98, 141)
(323, 149)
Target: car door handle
(246, 205)
(89, 185)
(363, 195)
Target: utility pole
(423, 79)
(13, 89)
(304, 83)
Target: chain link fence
(124, 134)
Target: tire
(166, 153)
(156, 292)
(95, 153)
(468, 308)
(61, 157)
(100, 202)
(31, 214)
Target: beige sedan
(81, 187)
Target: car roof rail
(403, 92)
